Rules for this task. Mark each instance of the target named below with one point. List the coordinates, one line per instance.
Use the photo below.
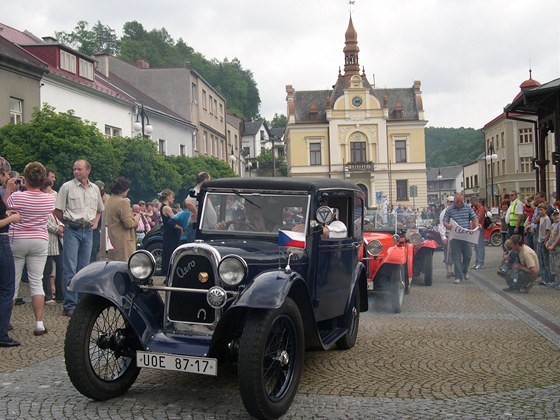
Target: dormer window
(86, 69)
(67, 61)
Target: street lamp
(491, 157)
(439, 177)
(140, 125)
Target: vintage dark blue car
(274, 271)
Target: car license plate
(202, 365)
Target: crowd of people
(46, 236)
(530, 232)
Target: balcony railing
(359, 167)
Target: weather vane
(350, 4)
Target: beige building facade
(511, 139)
(372, 137)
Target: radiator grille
(191, 307)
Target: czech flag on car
(293, 239)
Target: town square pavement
(456, 351)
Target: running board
(329, 337)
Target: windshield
(376, 221)
(255, 213)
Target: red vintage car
(395, 255)
(492, 235)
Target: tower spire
(351, 50)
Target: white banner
(468, 235)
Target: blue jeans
(480, 249)
(96, 240)
(461, 252)
(544, 262)
(7, 285)
(76, 254)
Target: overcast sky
(470, 55)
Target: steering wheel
(241, 223)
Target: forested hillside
(452, 146)
(157, 46)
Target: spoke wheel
(271, 360)
(496, 238)
(157, 251)
(98, 352)
(397, 289)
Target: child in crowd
(510, 257)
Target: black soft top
(269, 184)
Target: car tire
(428, 269)
(352, 321)
(397, 289)
(496, 238)
(97, 341)
(271, 360)
(156, 250)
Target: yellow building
(373, 137)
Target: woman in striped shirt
(29, 238)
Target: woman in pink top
(29, 237)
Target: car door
(335, 263)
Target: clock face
(356, 101)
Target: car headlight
(142, 265)
(415, 238)
(374, 248)
(232, 270)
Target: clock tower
(355, 131)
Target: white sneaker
(466, 276)
(457, 281)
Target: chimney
(142, 64)
(102, 63)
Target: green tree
(278, 121)
(189, 168)
(266, 165)
(100, 38)
(452, 146)
(229, 78)
(57, 140)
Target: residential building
(234, 127)
(186, 94)
(372, 137)
(509, 142)
(443, 182)
(541, 104)
(21, 74)
(474, 179)
(74, 84)
(257, 136)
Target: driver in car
(254, 221)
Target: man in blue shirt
(461, 251)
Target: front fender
(110, 280)
(268, 290)
(396, 255)
(428, 243)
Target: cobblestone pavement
(455, 351)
